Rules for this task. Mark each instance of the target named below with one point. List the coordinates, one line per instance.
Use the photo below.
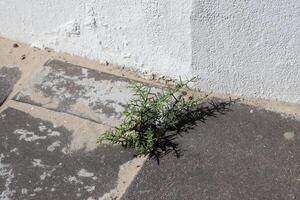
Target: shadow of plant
(152, 120)
(187, 120)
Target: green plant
(150, 115)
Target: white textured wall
(247, 47)
(149, 35)
(241, 47)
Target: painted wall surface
(243, 47)
(149, 35)
(247, 47)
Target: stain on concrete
(36, 161)
(289, 135)
(240, 154)
(9, 75)
(80, 91)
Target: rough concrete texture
(80, 91)
(245, 153)
(36, 162)
(9, 75)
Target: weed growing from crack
(150, 115)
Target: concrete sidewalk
(50, 119)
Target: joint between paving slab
(83, 127)
(128, 171)
(35, 58)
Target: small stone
(15, 45)
(153, 76)
(48, 49)
(259, 137)
(23, 57)
(289, 135)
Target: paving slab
(9, 75)
(245, 153)
(76, 90)
(36, 162)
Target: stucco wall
(244, 47)
(149, 35)
(249, 48)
